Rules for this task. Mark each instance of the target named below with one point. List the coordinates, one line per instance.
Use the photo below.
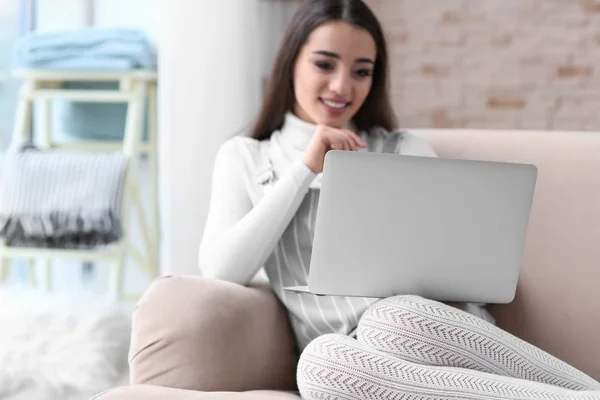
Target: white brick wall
(494, 63)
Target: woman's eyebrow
(337, 56)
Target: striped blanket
(61, 199)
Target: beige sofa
(194, 339)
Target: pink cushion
(201, 334)
(558, 302)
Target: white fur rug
(60, 344)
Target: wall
(210, 89)
(213, 59)
(59, 15)
(494, 63)
(141, 14)
(9, 31)
(274, 17)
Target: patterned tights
(410, 348)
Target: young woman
(329, 90)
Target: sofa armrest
(201, 334)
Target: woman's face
(333, 74)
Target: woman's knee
(405, 315)
(397, 304)
(412, 308)
(405, 305)
(421, 330)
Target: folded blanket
(89, 64)
(116, 47)
(60, 198)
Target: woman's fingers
(351, 145)
(346, 144)
(359, 142)
(347, 140)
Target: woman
(329, 90)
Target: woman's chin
(337, 123)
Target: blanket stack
(87, 49)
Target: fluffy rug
(60, 344)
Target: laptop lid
(445, 229)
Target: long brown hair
(279, 98)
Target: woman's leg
(339, 367)
(429, 332)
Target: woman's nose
(340, 84)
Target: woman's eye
(363, 73)
(324, 65)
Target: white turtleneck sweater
(244, 223)
(261, 214)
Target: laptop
(444, 229)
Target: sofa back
(557, 306)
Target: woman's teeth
(334, 105)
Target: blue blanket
(91, 48)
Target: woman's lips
(335, 107)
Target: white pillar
(209, 74)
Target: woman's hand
(326, 138)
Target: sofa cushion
(208, 335)
(149, 392)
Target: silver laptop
(444, 229)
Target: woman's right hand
(326, 138)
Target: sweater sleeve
(238, 238)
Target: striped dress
(310, 315)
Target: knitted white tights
(411, 348)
